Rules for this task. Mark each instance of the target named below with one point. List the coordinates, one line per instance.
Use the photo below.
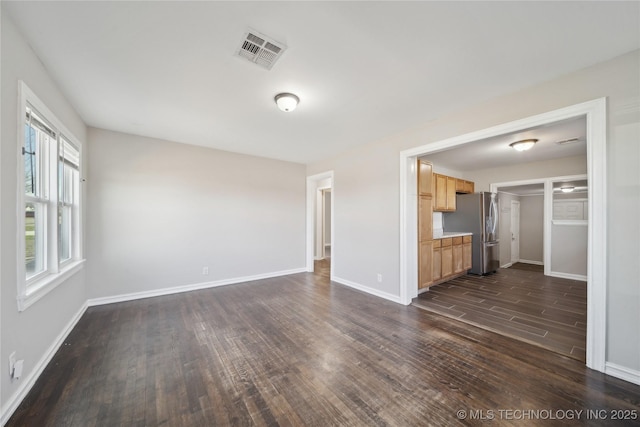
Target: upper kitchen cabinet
(464, 187)
(445, 189)
(445, 193)
(425, 178)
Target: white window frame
(55, 272)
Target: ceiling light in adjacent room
(287, 101)
(523, 145)
(567, 189)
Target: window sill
(48, 283)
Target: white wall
(366, 181)
(623, 246)
(532, 228)
(161, 211)
(33, 332)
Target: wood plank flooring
(301, 351)
(519, 302)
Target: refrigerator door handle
(494, 207)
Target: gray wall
(161, 211)
(531, 228)
(569, 249)
(366, 180)
(33, 332)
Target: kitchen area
(457, 228)
(460, 274)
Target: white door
(515, 231)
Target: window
(50, 195)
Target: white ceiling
(580, 186)
(363, 70)
(496, 152)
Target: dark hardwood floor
(520, 302)
(299, 350)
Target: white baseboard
(186, 288)
(568, 276)
(528, 261)
(363, 288)
(507, 265)
(623, 373)
(27, 382)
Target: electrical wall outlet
(379, 277)
(12, 363)
(205, 271)
(17, 370)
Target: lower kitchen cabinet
(450, 257)
(467, 259)
(457, 254)
(425, 276)
(447, 258)
(437, 260)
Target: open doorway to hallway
(320, 247)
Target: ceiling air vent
(567, 141)
(260, 49)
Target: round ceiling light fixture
(567, 189)
(287, 101)
(523, 145)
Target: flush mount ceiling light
(287, 101)
(567, 189)
(523, 145)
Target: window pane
(68, 165)
(34, 238)
(30, 171)
(65, 236)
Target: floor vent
(260, 49)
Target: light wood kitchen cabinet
(447, 258)
(467, 259)
(456, 244)
(451, 257)
(425, 178)
(464, 187)
(425, 224)
(451, 194)
(437, 260)
(425, 218)
(440, 192)
(445, 189)
(425, 276)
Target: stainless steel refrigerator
(478, 213)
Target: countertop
(448, 234)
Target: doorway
(515, 231)
(320, 230)
(595, 114)
(326, 223)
